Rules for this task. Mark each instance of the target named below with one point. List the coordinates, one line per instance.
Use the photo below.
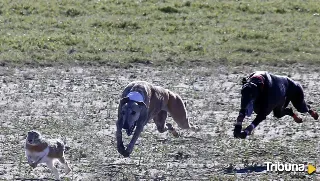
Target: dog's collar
(135, 96)
(260, 78)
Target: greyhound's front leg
(253, 125)
(135, 137)
(238, 124)
(120, 146)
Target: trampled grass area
(160, 31)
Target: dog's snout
(125, 125)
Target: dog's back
(138, 86)
(274, 91)
(150, 93)
(56, 148)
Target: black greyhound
(263, 92)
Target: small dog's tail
(62, 145)
(66, 148)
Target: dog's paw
(33, 165)
(174, 133)
(297, 119)
(126, 154)
(121, 149)
(315, 115)
(237, 131)
(195, 128)
(243, 135)
(172, 130)
(169, 126)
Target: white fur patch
(135, 96)
(35, 156)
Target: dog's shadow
(248, 169)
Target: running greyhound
(263, 92)
(142, 101)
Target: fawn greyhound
(142, 101)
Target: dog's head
(249, 92)
(131, 111)
(33, 137)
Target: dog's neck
(38, 147)
(260, 78)
(135, 96)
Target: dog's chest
(36, 155)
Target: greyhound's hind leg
(289, 111)
(303, 107)
(160, 120)
(178, 111)
(300, 104)
(281, 111)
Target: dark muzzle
(128, 129)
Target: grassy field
(78, 103)
(160, 31)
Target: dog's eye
(133, 112)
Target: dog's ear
(244, 80)
(143, 115)
(124, 100)
(248, 88)
(142, 104)
(253, 85)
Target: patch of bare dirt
(79, 105)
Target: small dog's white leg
(53, 169)
(63, 161)
(67, 169)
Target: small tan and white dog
(142, 101)
(39, 150)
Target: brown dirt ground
(78, 104)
